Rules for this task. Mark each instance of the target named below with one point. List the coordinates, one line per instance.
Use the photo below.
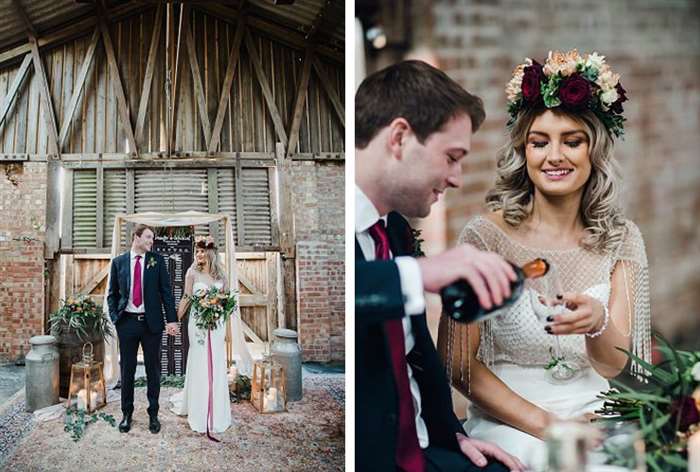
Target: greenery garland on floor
(176, 381)
(78, 420)
(667, 412)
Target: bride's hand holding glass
(586, 315)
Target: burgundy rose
(616, 107)
(686, 409)
(532, 78)
(574, 91)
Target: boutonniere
(417, 241)
(151, 262)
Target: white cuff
(411, 285)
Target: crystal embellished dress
(516, 348)
(205, 396)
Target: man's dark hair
(139, 229)
(418, 92)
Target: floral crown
(569, 81)
(204, 242)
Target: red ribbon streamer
(210, 408)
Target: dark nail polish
(550, 318)
(548, 329)
(559, 296)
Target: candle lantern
(268, 393)
(87, 383)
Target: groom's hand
(487, 272)
(477, 451)
(172, 329)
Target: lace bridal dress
(516, 348)
(204, 398)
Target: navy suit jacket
(157, 292)
(378, 297)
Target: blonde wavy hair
(216, 269)
(600, 211)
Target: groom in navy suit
(139, 288)
(413, 128)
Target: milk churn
(287, 352)
(41, 384)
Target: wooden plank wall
(257, 268)
(247, 126)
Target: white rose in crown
(695, 372)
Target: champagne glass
(558, 369)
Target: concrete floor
(11, 380)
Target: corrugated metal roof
(301, 16)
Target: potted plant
(79, 320)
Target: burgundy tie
(136, 295)
(409, 456)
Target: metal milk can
(41, 384)
(287, 352)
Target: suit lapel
(397, 238)
(126, 269)
(359, 255)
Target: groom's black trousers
(133, 332)
(443, 460)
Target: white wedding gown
(516, 348)
(194, 399)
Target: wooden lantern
(87, 384)
(267, 392)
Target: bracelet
(606, 318)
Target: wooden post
(286, 235)
(299, 103)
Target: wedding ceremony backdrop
(653, 44)
(229, 108)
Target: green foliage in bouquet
(81, 316)
(666, 412)
(212, 307)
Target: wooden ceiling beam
(148, 79)
(122, 105)
(15, 87)
(233, 57)
(74, 30)
(282, 34)
(265, 87)
(330, 91)
(78, 91)
(196, 75)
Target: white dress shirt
(130, 305)
(367, 215)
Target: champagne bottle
(459, 301)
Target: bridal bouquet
(211, 308)
(667, 412)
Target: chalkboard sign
(178, 253)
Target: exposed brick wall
(319, 222)
(656, 49)
(22, 220)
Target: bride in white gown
(555, 197)
(205, 397)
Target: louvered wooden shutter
(169, 191)
(114, 203)
(84, 208)
(226, 184)
(257, 223)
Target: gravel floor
(310, 436)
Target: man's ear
(399, 131)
